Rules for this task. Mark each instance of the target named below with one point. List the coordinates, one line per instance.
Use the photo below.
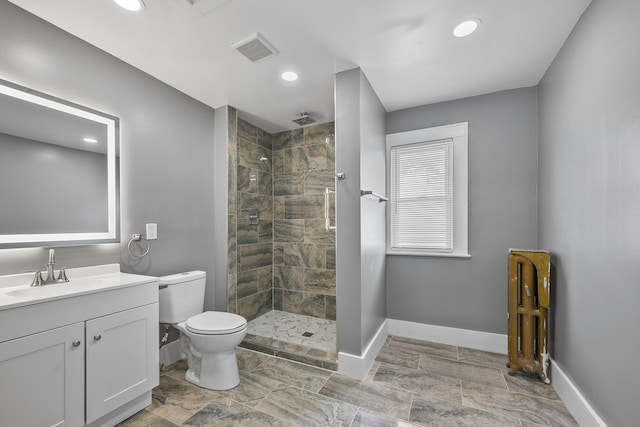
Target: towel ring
(137, 238)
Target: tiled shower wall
(286, 261)
(304, 268)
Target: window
(428, 191)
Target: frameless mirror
(58, 171)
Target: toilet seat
(215, 323)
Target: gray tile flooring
(412, 383)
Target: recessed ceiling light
(90, 140)
(289, 76)
(466, 28)
(132, 5)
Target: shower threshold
(305, 339)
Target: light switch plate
(152, 231)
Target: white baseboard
(478, 340)
(170, 353)
(573, 399)
(356, 366)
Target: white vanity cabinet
(83, 359)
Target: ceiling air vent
(255, 47)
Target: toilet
(207, 338)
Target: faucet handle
(62, 275)
(37, 279)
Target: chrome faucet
(51, 278)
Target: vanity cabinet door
(42, 379)
(122, 359)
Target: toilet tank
(181, 296)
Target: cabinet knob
(97, 337)
(76, 343)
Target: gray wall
(589, 205)
(166, 147)
(472, 293)
(359, 263)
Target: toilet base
(221, 371)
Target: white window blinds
(422, 196)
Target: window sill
(427, 254)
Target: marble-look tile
(529, 384)
(287, 139)
(232, 244)
(265, 279)
(289, 184)
(265, 183)
(257, 347)
(290, 327)
(424, 347)
(294, 374)
(320, 134)
(323, 354)
(247, 233)
(305, 255)
(331, 365)
(264, 139)
(247, 283)
(462, 371)
(330, 307)
(291, 278)
(372, 371)
(289, 230)
(247, 130)
(371, 395)
(247, 179)
(318, 180)
(265, 231)
(278, 253)
(278, 299)
(524, 423)
(145, 418)
(483, 358)
(307, 158)
(181, 399)
(408, 359)
(255, 305)
(250, 202)
(366, 418)
(250, 153)
(431, 412)
(279, 207)
(424, 383)
(304, 303)
(278, 162)
(223, 412)
(232, 180)
(307, 409)
(320, 281)
(315, 231)
(252, 388)
(232, 293)
(248, 360)
(331, 257)
(304, 207)
(254, 256)
(281, 345)
(534, 409)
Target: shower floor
(306, 339)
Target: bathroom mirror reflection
(58, 171)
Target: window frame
(459, 134)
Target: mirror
(58, 171)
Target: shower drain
(307, 334)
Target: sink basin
(40, 291)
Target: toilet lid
(215, 323)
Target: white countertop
(15, 290)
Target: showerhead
(304, 119)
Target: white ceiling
(404, 47)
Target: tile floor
(286, 335)
(412, 383)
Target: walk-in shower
(281, 239)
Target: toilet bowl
(207, 338)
